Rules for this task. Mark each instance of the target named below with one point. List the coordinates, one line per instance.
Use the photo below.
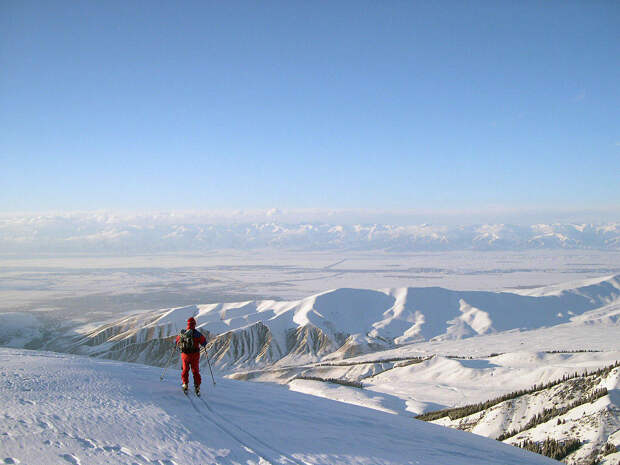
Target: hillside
(583, 409)
(404, 351)
(341, 323)
(66, 409)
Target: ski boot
(197, 390)
(184, 386)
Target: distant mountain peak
(97, 234)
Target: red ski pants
(191, 360)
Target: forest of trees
(549, 413)
(461, 412)
(551, 448)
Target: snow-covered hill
(342, 323)
(582, 408)
(59, 409)
(402, 351)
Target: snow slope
(591, 422)
(441, 382)
(59, 409)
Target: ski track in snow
(284, 456)
(263, 458)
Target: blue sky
(247, 105)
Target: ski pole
(161, 378)
(209, 363)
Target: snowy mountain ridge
(342, 323)
(109, 233)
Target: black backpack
(186, 341)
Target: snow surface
(79, 286)
(442, 382)
(59, 409)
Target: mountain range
(538, 352)
(104, 233)
(342, 323)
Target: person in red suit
(190, 353)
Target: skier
(189, 341)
